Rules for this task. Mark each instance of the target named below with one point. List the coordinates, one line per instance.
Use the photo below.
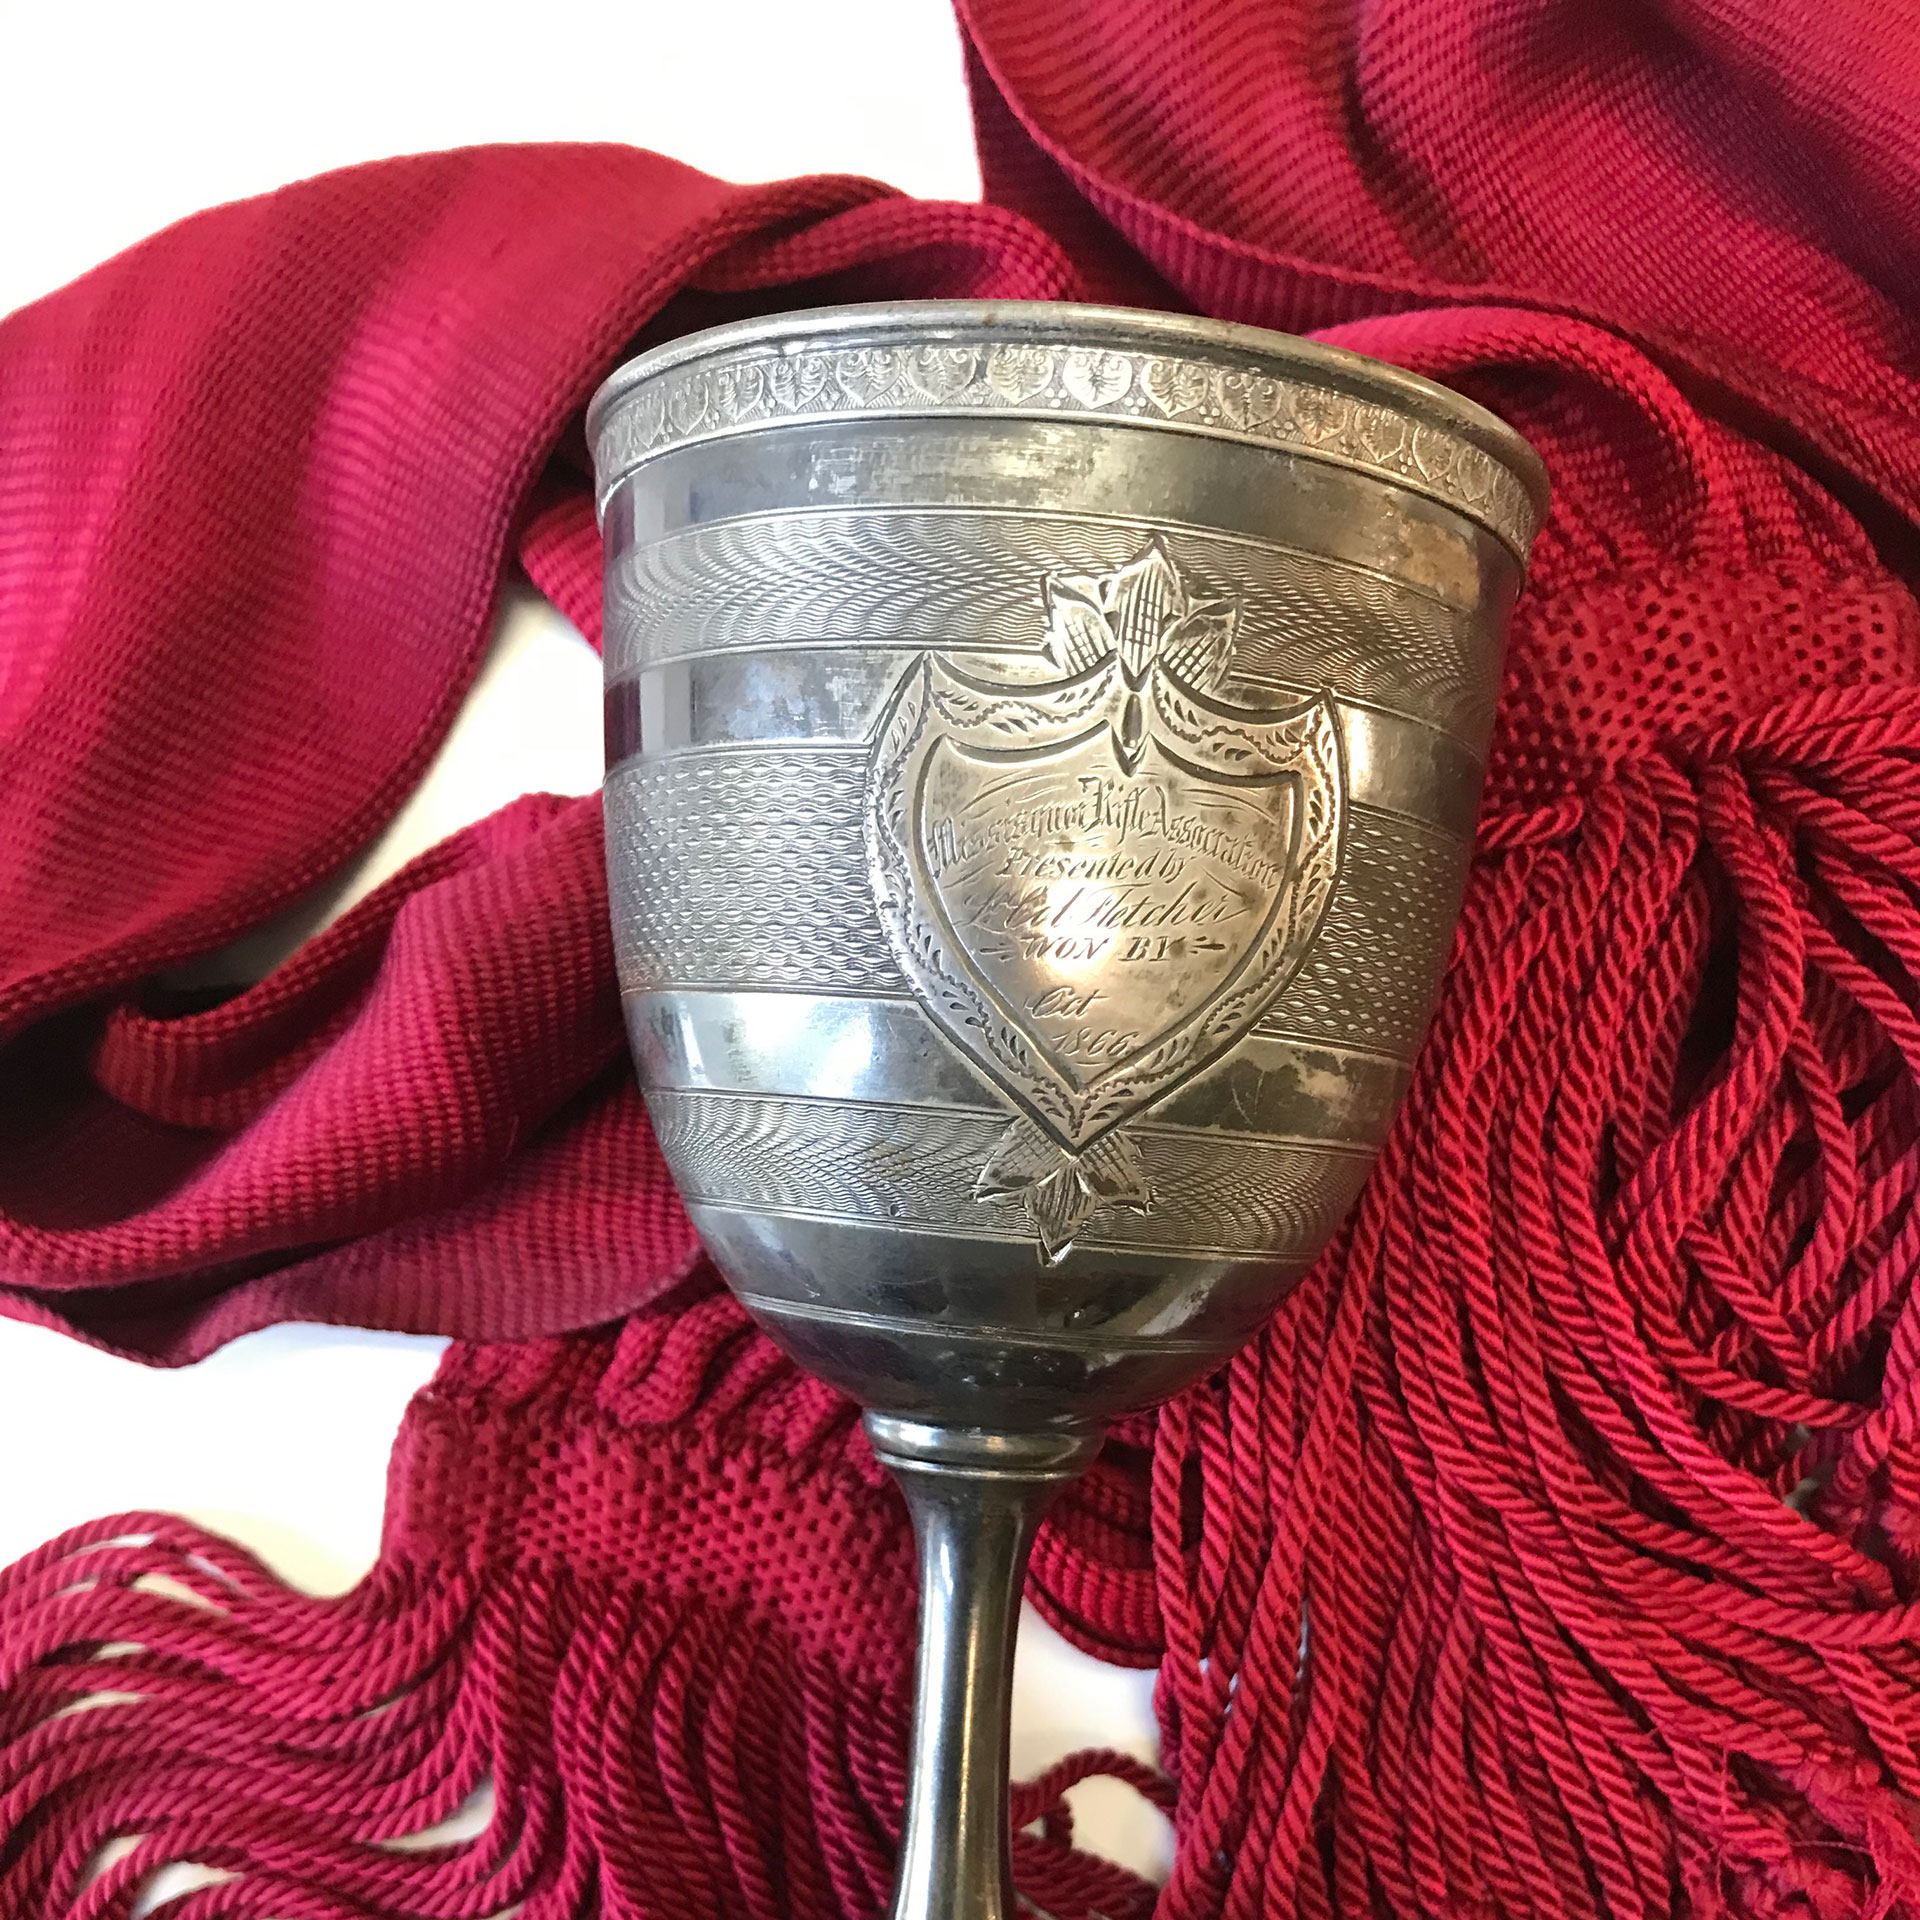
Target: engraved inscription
(1098, 883)
(1101, 908)
(700, 401)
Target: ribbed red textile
(1557, 1550)
(260, 481)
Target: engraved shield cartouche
(1043, 752)
(1098, 882)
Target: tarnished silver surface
(702, 915)
(1202, 377)
(1043, 750)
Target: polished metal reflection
(1043, 748)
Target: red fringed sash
(1556, 1552)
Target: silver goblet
(1043, 745)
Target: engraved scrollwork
(873, 376)
(939, 373)
(797, 382)
(1178, 387)
(843, 1160)
(740, 391)
(1018, 373)
(970, 580)
(1251, 402)
(689, 403)
(1096, 377)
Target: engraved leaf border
(705, 400)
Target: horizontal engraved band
(974, 581)
(887, 1052)
(807, 698)
(1050, 1340)
(1077, 472)
(1126, 1299)
(747, 868)
(1213, 1193)
(1034, 378)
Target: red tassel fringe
(1556, 1552)
(660, 1735)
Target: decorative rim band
(693, 398)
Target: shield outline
(936, 701)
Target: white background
(117, 118)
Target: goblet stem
(976, 1499)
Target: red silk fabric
(263, 477)
(1585, 1469)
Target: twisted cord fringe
(1555, 1552)
(643, 1758)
